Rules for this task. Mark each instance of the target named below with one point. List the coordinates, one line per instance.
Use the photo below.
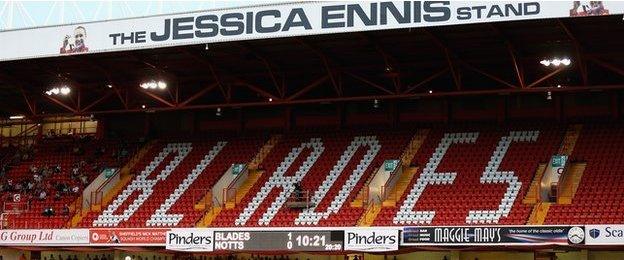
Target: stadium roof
(476, 59)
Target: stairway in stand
(413, 147)
(408, 171)
(362, 196)
(253, 176)
(569, 141)
(570, 184)
(369, 216)
(402, 184)
(568, 181)
(264, 151)
(533, 192)
(538, 215)
(210, 215)
(405, 179)
(124, 178)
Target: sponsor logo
(604, 234)
(576, 235)
(614, 232)
(44, 237)
(372, 240)
(594, 233)
(132, 236)
(190, 240)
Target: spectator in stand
(42, 195)
(65, 210)
(95, 167)
(123, 153)
(298, 192)
(37, 178)
(57, 196)
(48, 212)
(84, 180)
(9, 185)
(76, 189)
(74, 174)
(100, 151)
(48, 185)
(44, 171)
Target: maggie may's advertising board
(493, 235)
(604, 235)
(371, 239)
(190, 240)
(44, 237)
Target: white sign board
(275, 21)
(376, 239)
(44, 237)
(190, 240)
(604, 235)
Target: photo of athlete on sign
(588, 8)
(78, 45)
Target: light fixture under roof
(153, 84)
(64, 90)
(556, 62)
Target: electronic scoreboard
(294, 240)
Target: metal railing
(229, 193)
(563, 181)
(386, 189)
(202, 196)
(96, 197)
(367, 218)
(296, 199)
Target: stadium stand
(473, 175)
(486, 170)
(42, 182)
(166, 187)
(598, 199)
(321, 163)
